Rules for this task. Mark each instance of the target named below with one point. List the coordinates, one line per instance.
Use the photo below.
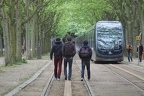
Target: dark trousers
(87, 64)
(140, 57)
(68, 60)
(57, 66)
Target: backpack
(84, 52)
(69, 50)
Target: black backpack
(84, 52)
(69, 49)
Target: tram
(106, 38)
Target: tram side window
(91, 45)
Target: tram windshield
(109, 36)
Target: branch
(35, 11)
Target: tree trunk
(6, 36)
(34, 31)
(1, 47)
(140, 11)
(134, 27)
(28, 46)
(18, 33)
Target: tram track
(133, 76)
(44, 84)
(35, 83)
(91, 85)
(104, 79)
(47, 86)
(87, 85)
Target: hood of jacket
(68, 42)
(58, 42)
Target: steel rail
(20, 87)
(89, 89)
(48, 85)
(124, 77)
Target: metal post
(38, 51)
(138, 53)
(138, 47)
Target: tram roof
(108, 22)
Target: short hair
(69, 39)
(85, 42)
(58, 39)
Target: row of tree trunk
(23, 25)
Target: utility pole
(139, 39)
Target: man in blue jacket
(85, 53)
(57, 51)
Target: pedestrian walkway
(135, 61)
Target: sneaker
(81, 79)
(58, 79)
(65, 78)
(69, 79)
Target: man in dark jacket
(85, 60)
(140, 51)
(68, 51)
(57, 51)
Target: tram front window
(109, 38)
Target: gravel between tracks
(12, 76)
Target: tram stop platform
(135, 61)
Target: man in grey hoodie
(68, 51)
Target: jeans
(87, 64)
(57, 66)
(68, 60)
(129, 56)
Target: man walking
(129, 51)
(68, 51)
(57, 50)
(140, 51)
(85, 53)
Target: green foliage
(24, 61)
(78, 16)
(20, 62)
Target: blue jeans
(129, 56)
(87, 64)
(68, 60)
